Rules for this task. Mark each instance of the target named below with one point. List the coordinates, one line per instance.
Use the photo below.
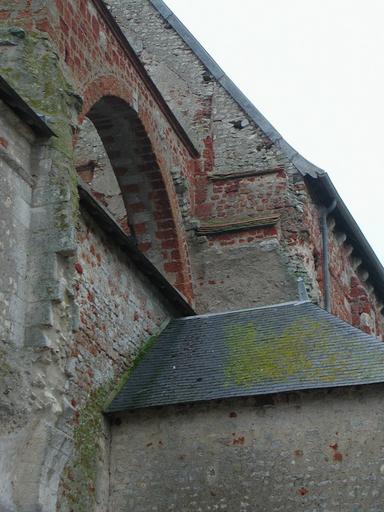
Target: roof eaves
(303, 166)
(234, 311)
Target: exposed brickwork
(139, 199)
(100, 67)
(258, 178)
(119, 309)
(353, 297)
(116, 312)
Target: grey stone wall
(311, 451)
(233, 277)
(199, 102)
(35, 242)
(16, 143)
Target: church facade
(140, 187)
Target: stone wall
(53, 438)
(53, 382)
(296, 452)
(120, 311)
(241, 176)
(16, 143)
(38, 316)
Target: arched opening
(115, 158)
(94, 168)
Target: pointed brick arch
(147, 190)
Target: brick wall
(353, 294)
(119, 311)
(118, 307)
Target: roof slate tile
(251, 352)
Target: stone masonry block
(40, 313)
(37, 337)
(50, 289)
(51, 194)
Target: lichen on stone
(34, 69)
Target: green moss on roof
(305, 347)
(253, 359)
(252, 352)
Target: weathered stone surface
(295, 452)
(74, 311)
(225, 277)
(15, 213)
(256, 177)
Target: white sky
(315, 69)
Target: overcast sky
(315, 69)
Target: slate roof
(280, 348)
